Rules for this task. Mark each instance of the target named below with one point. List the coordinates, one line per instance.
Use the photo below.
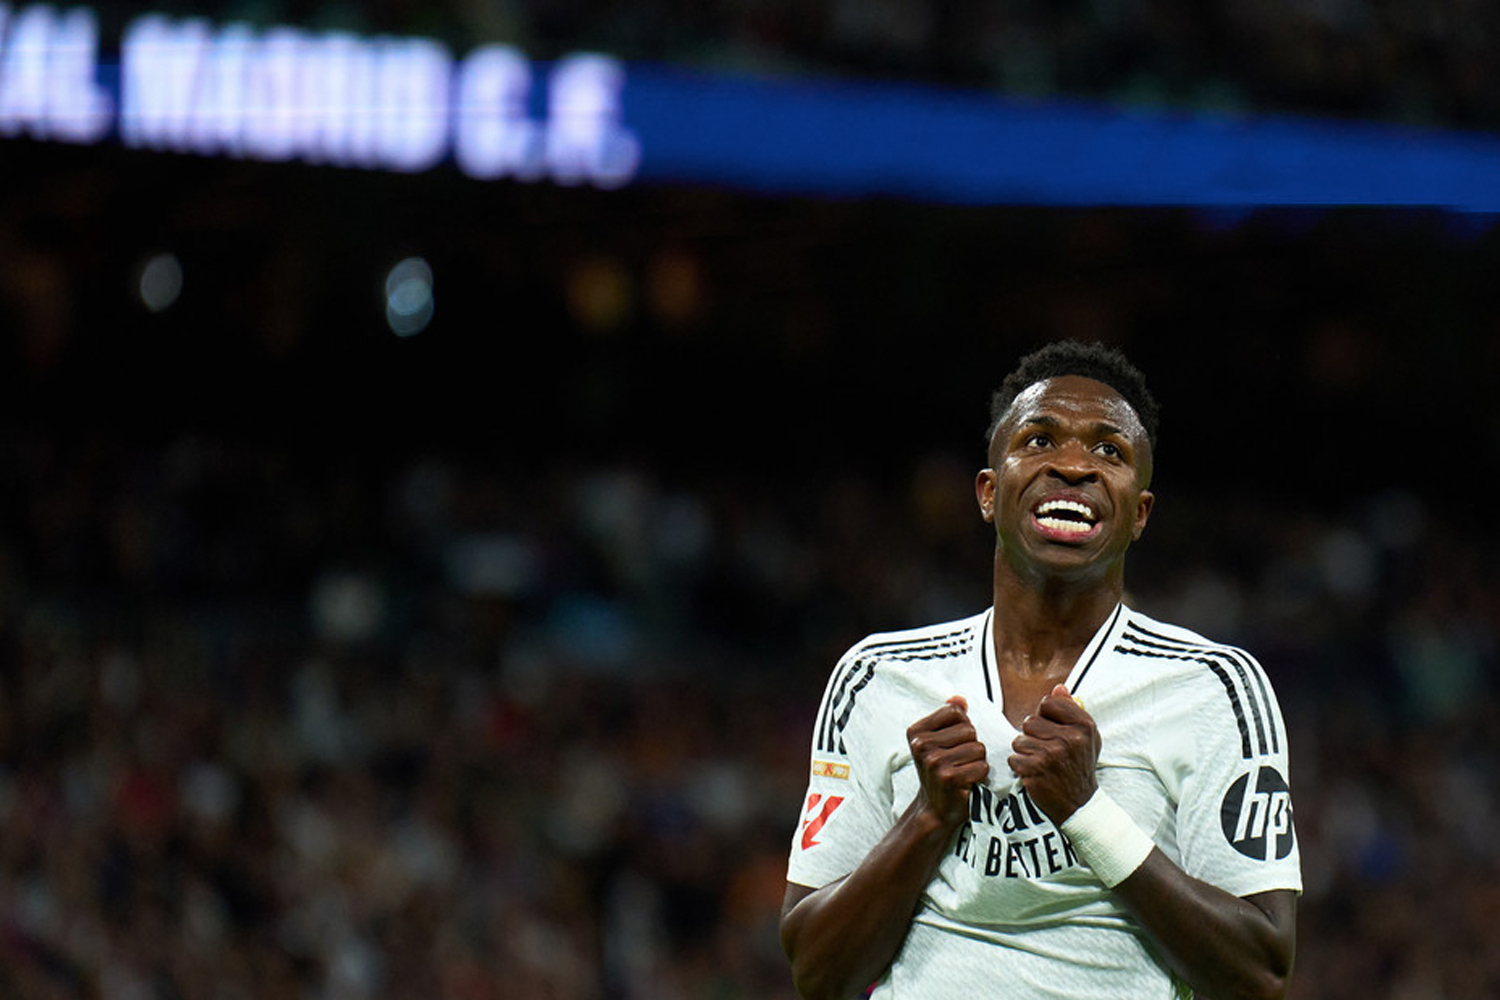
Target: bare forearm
(843, 937)
(1225, 947)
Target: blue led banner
(411, 104)
(926, 143)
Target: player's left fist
(1056, 755)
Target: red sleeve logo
(814, 817)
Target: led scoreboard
(406, 104)
(277, 93)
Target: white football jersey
(1193, 748)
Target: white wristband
(1107, 839)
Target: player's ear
(1143, 506)
(984, 492)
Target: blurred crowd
(283, 717)
(1432, 63)
(275, 724)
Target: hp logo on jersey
(1258, 821)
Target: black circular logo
(1258, 821)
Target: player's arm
(842, 937)
(1224, 946)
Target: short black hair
(1097, 361)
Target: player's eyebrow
(1041, 420)
(1103, 429)
(1100, 428)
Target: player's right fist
(950, 759)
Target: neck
(1041, 626)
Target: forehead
(1074, 397)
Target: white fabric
(1185, 723)
(1107, 839)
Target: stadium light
(160, 282)
(408, 297)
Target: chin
(1074, 562)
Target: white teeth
(1083, 510)
(1058, 524)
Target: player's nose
(1073, 464)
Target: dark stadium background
(480, 663)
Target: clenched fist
(949, 758)
(1056, 755)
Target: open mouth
(1066, 518)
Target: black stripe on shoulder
(1204, 655)
(928, 653)
(1250, 670)
(826, 737)
(1234, 699)
(860, 671)
(1245, 666)
(934, 647)
(956, 637)
(843, 719)
(1259, 673)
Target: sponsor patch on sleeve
(815, 815)
(1257, 818)
(830, 769)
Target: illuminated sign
(186, 85)
(49, 76)
(393, 103)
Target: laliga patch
(1258, 820)
(830, 769)
(815, 815)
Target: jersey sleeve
(1235, 824)
(847, 806)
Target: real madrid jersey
(1193, 748)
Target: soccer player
(1058, 797)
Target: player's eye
(1037, 440)
(1109, 449)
